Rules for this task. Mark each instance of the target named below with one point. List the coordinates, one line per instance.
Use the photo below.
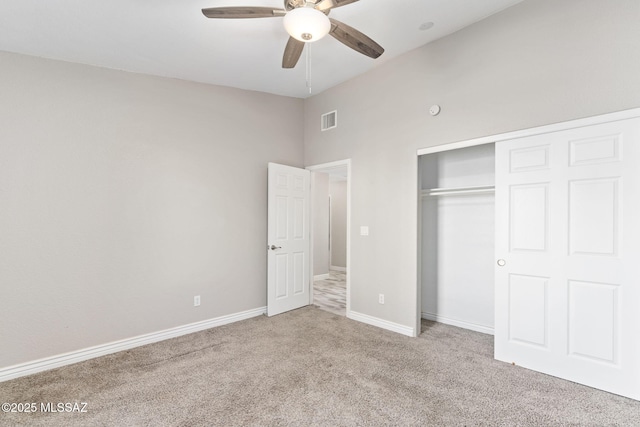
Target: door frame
(326, 168)
(330, 225)
(539, 130)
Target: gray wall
(338, 192)
(320, 218)
(536, 63)
(122, 196)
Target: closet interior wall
(458, 214)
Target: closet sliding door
(568, 255)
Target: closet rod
(434, 192)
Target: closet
(457, 256)
(534, 237)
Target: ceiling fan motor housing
(294, 4)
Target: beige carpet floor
(309, 367)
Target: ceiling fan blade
(292, 53)
(242, 12)
(331, 4)
(355, 39)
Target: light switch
(364, 230)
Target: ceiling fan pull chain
(308, 53)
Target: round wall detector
(425, 26)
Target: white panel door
(568, 239)
(288, 239)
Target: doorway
(330, 242)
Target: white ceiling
(172, 38)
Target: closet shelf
(435, 192)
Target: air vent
(329, 120)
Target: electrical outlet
(196, 300)
(381, 298)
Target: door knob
(274, 247)
(502, 262)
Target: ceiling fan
(305, 21)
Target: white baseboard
(336, 268)
(57, 361)
(321, 276)
(381, 323)
(458, 323)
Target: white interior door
(288, 239)
(568, 234)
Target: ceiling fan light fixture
(306, 24)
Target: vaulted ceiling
(174, 39)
